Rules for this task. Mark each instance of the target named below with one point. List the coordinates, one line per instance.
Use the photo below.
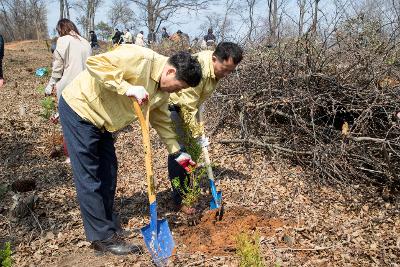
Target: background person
(69, 59)
(151, 37)
(117, 38)
(128, 39)
(93, 39)
(139, 39)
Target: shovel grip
(144, 125)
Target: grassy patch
(5, 255)
(248, 250)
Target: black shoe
(116, 246)
(123, 232)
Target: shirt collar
(158, 65)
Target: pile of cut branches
(331, 106)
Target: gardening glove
(50, 86)
(55, 118)
(202, 141)
(185, 161)
(48, 90)
(138, 92)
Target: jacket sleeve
(110, 68)
(190, 101)
(58, 62)
(161, 121)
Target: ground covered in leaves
(300, 222)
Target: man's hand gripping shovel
(157, 235)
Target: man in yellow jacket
(98, 102)
(215, 65)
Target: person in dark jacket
(210, 38)
(93, 39)
(1, 60)
(151, 37)
(117, 38)
(164, 34)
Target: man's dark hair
(226, 50)
(188, 68)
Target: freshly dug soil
(219, 237)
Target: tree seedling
(190, 188)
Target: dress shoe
(115, 245)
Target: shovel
(157, 236)
(216, 201)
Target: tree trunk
(61, 9)
(315, 18)
(273, 19)
(302, 7)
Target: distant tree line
(23, 19)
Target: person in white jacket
(139, 39)
(69, 57)
(128, 39)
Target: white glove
(138, 92)
(48, 90)
(203, 141)
(50, 86)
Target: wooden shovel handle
(207, 160)
(144, 125)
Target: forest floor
(300, 221)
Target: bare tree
(121, 14)
(273, 18)
(221, 23)
(64, 9)
(313, 28)
(23, 19)
(302, 12)
(155, 12)
(87, 11)
(250, 7)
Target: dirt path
(301, 223)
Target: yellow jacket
(98, 93)
(192, 98)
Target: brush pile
(331, 106)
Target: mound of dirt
(219, 237)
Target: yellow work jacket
(98, 93)
(191, 98)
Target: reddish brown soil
(218, 237)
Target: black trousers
(174, 169)
(94, 165)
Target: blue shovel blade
(215, 203)
(158, 238)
